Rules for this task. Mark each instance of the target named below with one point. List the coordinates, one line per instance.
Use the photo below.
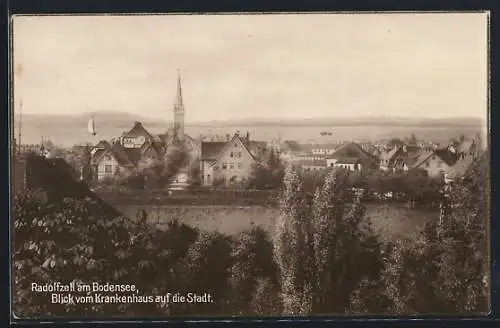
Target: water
(67, 135)
(390, 221)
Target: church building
(138, 148)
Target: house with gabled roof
(399, 157)
(231, 161)
(436, 163)
(134, 148)
(108, 160)
(353, 155)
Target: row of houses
(450, 161)
(229, 161)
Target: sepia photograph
(250, 165)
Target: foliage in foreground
(325, 258)
(80, 241)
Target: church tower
(179, 111)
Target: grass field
(389, 221)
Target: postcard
(250, 165)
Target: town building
(351, 156)
(324, 149)
(399, 158)
(349, 163)
(436, 163)
(230, 162)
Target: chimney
(137, 123)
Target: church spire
(179, 111)
(179, 105)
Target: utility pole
(20, 126)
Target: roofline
(235, 136)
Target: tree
(209, 263)
(293, 248)
(345, 248)
(175, 158)
(194, 173)
(443, 271)
(267, 173)
(322, 253)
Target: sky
(274, 66)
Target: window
(439, 164)
(208, 178)
(356, 166)
(231, 166)
(232, 154)
(239, 154)
(108, 169)
(235, 145)
(433, 157)
(107, 158)
(239, 165)
(427, 164)
(331, 164)
(224, 166)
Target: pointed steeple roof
(179, 104)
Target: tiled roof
(447, 156)
(255, 147)
(115, 150)
(326, 146)
(388, 155)
(210, 149)
(133, 155)
(411, 159)
(420, 158)
(348, 160)
(137, 130)
(121, 155)
(351, 149)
